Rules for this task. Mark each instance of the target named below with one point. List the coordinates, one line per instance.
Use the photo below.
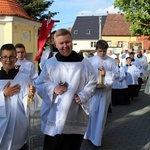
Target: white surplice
(28, 68)
(101, 99)
(120, 82)
(14, 114)
(132, 74)
(141, 64)
(122, 57)
(44, 57)
(60, 113)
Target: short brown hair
(62, 32)
(9, 47)
(101, 44)
(19, 45)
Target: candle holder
(31, 96)
(100, 83)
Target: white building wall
(83, 45)
(8, 38)
(2, 34)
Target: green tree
(37, 8)
(137, 12)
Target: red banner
(45, 30)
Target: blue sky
(70, 9)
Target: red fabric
(44, 32)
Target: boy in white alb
(120, 88)
(132, 74)
(142, 64)
(101, 99)
(15, 92)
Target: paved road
(127, 128)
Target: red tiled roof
(12, 8)
(116, 25)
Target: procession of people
(76, 92)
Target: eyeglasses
(11, 58)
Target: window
(75, 32)
(120, 44)
(93, 44)
(88, 31)
(109, 43)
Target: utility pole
(100, 27)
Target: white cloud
(110, 10)
(85, 13)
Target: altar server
(66, 83)
(102, 97)
(120, 88)
(132, 74)
(23, 64)
(16, 93)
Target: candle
(100, 77)
(100, 82)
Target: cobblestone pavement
(127, 128)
